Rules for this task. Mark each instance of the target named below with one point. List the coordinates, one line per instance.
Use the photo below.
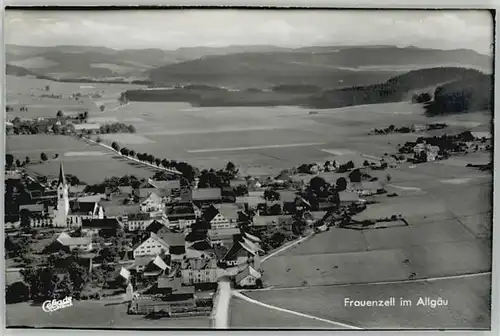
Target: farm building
(248, 277)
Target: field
(25, 91)
(89, 162)
(245, 315)
(259, 140)
(93, 314)
(468, 304)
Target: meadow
(468, 304)
(91, 163)
(246, 315)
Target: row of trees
(116, 128)
(188, 172)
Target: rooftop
(206, 194)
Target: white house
(223, 217)
(152, 204)
(247, 277)
(203, 271)
(153, 245)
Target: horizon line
(245, 45)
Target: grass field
(246, 315)
(93, 314)
(468, 304)
(89, 162)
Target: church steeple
(62, 178)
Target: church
(70, 213)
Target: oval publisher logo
(53, 305)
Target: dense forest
(471, 94)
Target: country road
(220, 314)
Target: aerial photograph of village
(248, 169)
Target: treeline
(471, 94)
(116, 128)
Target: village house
(365, 188)
(250, 202)
(418, 128)
(249, 277)
(172, 186)
(151, 266)
(224, 237)
(221, 217)
(167, 295)
(136, 222)
(65, 242)
(242, 254)
(283, 222)
(153, 245)
(348, 197)
(425, 152)
(175, 241)
(482, 135)
(113, 209)
(181, 215)
(152, 203)
(106, 227)
(199, 268)
(155, 226)
(206, 196)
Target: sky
(172, 29)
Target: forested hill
(465, 95)
(394, 90)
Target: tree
(271, 195)
(115, 146)
(9, 160)
(131, 153)
(274, 210)
(317, 184)
(18, 163)
(102, 107)
(27, 160)
(366, 163)
(124, 151)
(60, 114)
(43, 157)
(42, 282)
(341, 184)
(230, 166)
(17, 292)
(355, 176)
(158, 161)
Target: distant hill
(239, 66)
(18, 71)
(328, 67)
